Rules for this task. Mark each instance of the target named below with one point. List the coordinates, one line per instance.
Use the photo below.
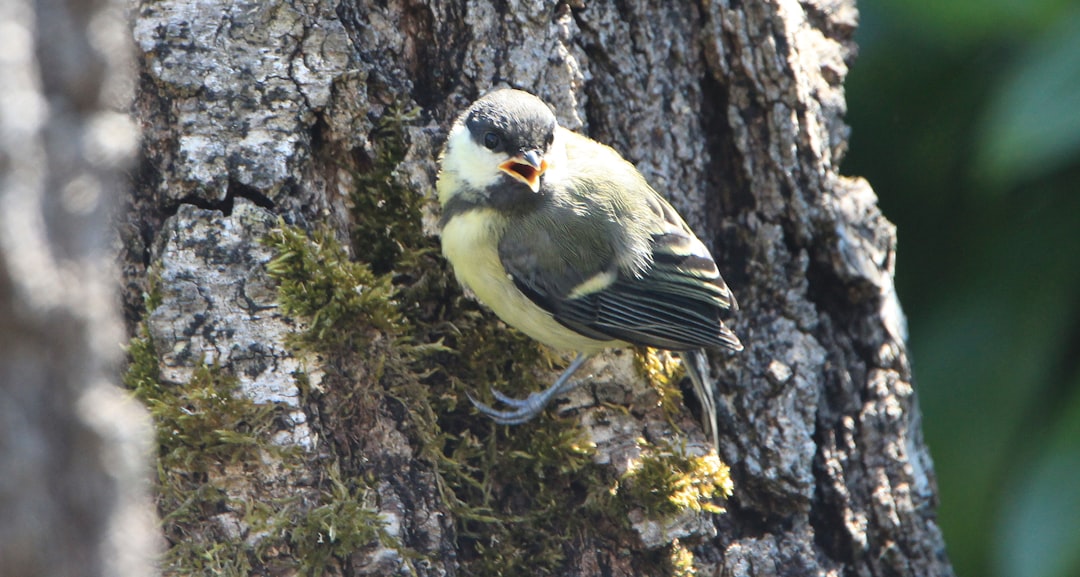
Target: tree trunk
(310, 393)
(74, 491)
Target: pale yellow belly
(469, 243)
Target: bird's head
(503, 139)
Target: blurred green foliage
(966, 120)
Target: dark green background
(965, 118)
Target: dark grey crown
(518, 120)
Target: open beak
(527, 168)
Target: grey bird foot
(521, 410)
(525, 410)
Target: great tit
(564, 240)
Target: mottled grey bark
(733, 110)
(74, 485)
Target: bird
(566, 241)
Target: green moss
(201, 427)
(203, 422)
(666, 481)
(385, 215)
(345, 522)
(343, 302)
(228, 558)
(152, 297)
(518, 494)
(143, 374)
(207, 434)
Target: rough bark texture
(255, 110)
(74, 487)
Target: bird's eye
(491, 140)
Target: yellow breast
(470, 243)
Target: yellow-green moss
(680, 561)
(666, 481)
(662, 371)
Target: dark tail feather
(697, 365)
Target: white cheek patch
(471, 164)
(556, 158)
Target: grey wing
(671, 306)
(675, 303)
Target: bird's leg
(524, 410)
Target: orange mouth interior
(524, 172)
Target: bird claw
(525, 410)
(508, 400)
(521, 410)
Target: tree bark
(330, 115)
(74, 491)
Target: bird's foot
(521, 410)
(525, 410)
